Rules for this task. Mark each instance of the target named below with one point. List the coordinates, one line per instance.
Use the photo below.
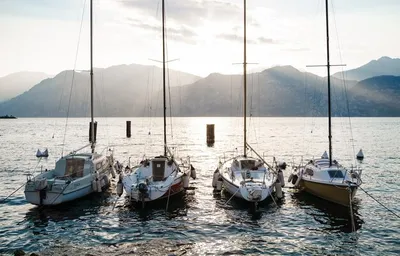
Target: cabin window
(100, 164)
(335, 174)
(74, 168)
(309, 171)
(247, 164)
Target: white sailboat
(76, 174)
(246, 177)
(162, 176)
(324, 177)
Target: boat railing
(173, 159)
(355, 173)
(185, 162)
(30, 177)
(228, 155)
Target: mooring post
(210, 134)
(128, 129)
(90, 131)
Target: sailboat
(162, 176)
(246, 177)
(324, 177)
(76, 174)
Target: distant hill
(278, 91)
(16, 83)
(376, 96)
(382, 66)
(119, 90)
(135, 90)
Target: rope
(59, 103)
(353, 226)
(395, 214)
(115, 203)
(345, 89)
(169, 193)
(61, 193)
(105, 108)
(2, 201)
(168, 81)
(73, 76)
(273, 199)
(231, 197)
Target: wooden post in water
(95, 131)
(128, 129)
(210, 134)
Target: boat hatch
(158, 169)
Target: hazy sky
(206, 35)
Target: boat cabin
(247, 164)
(79, 165)
(247, 168)
(155, 169)
(333, 171)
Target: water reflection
(333, 217)
(177, 206)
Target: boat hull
(330, 192)
(242, 193)
(53, 188)
(158, 195)
(54, 198)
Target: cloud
(239, 38)
(264, 40)
(178, 33)
(300, 49)
(190, 12)
(187, 20)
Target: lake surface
(201, 223)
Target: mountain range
(382, 66)
(16, 83)
(136, 90)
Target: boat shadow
(88, 205)
(224, 201)
(332, 217)
(177, 206)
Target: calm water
(202, 224)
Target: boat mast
(328, 66)
(92, 140)
(164, 93)
(244, 81)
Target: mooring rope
(353, 226)
(395, 214)
(269, 191)
(2, 201)
(169, 193)
(231, 197)
(61, 193)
